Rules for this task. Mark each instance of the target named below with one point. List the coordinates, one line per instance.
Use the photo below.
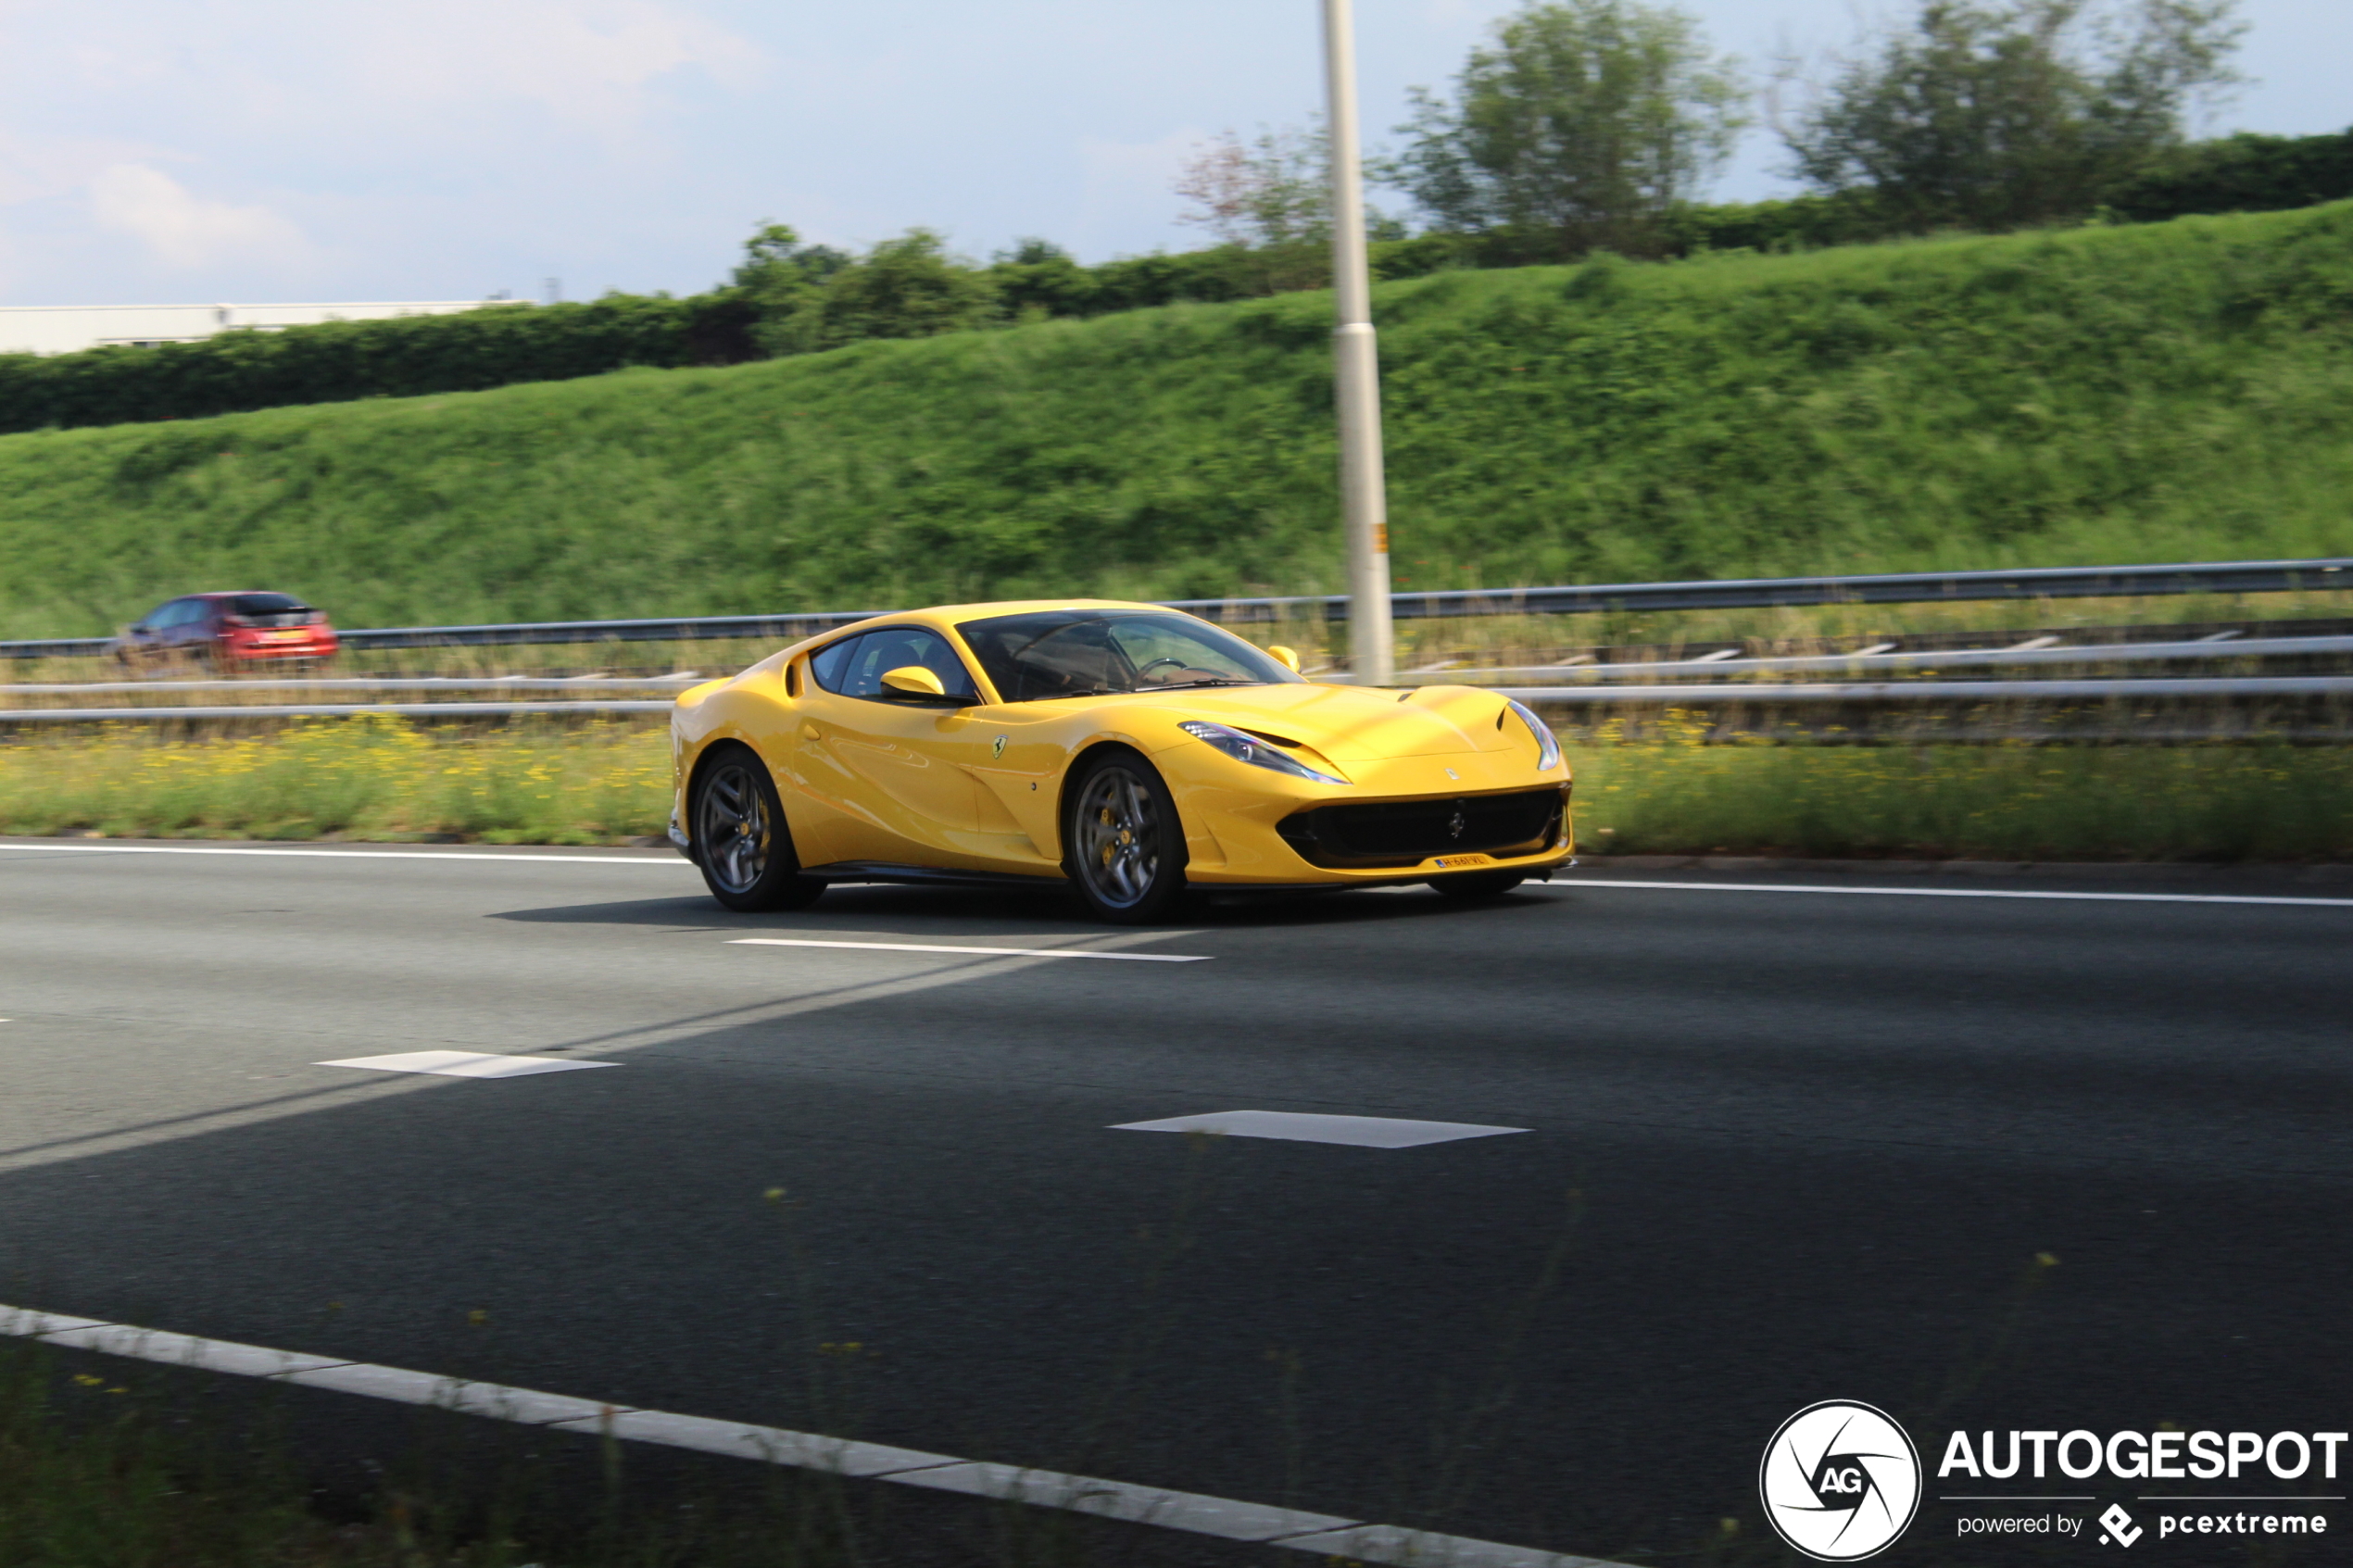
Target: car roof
(1024, 607)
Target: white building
(61, 328)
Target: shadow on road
(866, 903)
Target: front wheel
(741, 842)
(1478, 884)
(1123, 843)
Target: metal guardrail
(1859, 663)
(1925, 693)
(1880, 694)
(357, 683)
(324, 711)
(2225, 647)
(1913, 588)
(773, 628)
(1755, 593)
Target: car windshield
(267, 604)
(1058, 653)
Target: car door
(892, 772)
(177, 624)
(199, 631)
(147, 633)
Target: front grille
(1405, 833)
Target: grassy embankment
(2168, 392)
(1664, 794)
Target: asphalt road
(1781, 1148)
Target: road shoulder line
(1188, 1511)
(1567, 883)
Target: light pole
(1356, 362)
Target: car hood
(1349, 725)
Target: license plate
(288, 636)
(1456, 862)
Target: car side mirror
(1287, 658)
(913, 679)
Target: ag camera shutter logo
(1841, 1481)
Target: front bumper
(1236, 837)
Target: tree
(1581, 124)
(1274, 191)
(1037, 279)
(782, 278)
(906, 287)
(1993, 116)
(1270, 202)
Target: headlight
(1245, 748)
(1548, 747)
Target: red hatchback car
(228, 630)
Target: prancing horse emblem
(997, 747)
(1455, 828)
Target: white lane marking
(1362, 1132)
(1957, 893)
(342, 854)
(464, 1064)
(1190, 1512)
(1388, 1543)
(1118, 1500)
(984, 952)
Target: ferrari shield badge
(997, 747)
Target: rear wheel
(1478, 884)
(741, 842)
(1123, 843)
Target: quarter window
(827, 664)
(855, 666)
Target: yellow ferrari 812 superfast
(1126, 749)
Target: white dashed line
(1191, 1512)
(1567, 883)
(464, 1064)
(1362, 1132)
(978, 952)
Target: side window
(827, 664)
(156, 618)
(896, 648)
(179, 612)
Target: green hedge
(335, 361)
(2242, 173)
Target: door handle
(810, 730)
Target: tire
(741, 843)
(1123, 842)
(1473, 886)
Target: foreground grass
(93, 1475)
(369, 777)
(109, 1468)
(2167, 391)
(1666, 793)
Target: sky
(250, 151)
